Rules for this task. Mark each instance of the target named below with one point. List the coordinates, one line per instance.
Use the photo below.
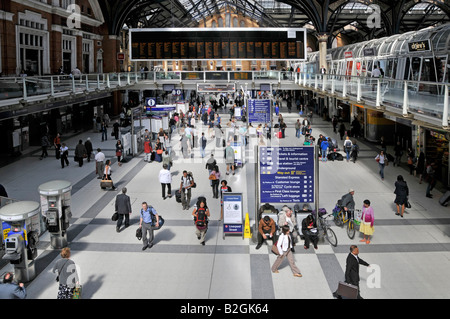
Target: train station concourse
(237, 153)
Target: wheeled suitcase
(347, 291)
(444, 198)
(178, 196)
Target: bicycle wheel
(330, 236)
(351, 229)
(339, 219)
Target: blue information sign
(259, 111)
(286, 174)
(232, 213)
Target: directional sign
(286, 174)
(259, 111)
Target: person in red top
(147, 150)
(57, 145)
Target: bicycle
(341, 218)
(325, 229)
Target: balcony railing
(419, 97)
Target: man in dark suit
(352, 267)
(123, 208)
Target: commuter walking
(64, 155)
(67, 274)
(287, 218)
(149, 219)
(431, 179)
(382, 161)
(201, 214)
(57, 145)
(348, 147)
(89, 149)
(398, 152)
(229, 158)
(297, 129)
(165, 178)
(80, 153)
(10, 290)
(203, 142)
(166, 159)
(214, 177)
(99, 163)
(420, 166)
(119, 152)
(185, 189)
(104, 131)
(123, 209)
(324, 147)
(45, 143)
(147, 149)
(116, 127)
(401, 195)
(284, 245)
(107, 173)
(352, 268)
(367, 220)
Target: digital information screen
(286, 174)
(217, 43)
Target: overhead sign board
(286, 174)
(217, 43)
(215, 87)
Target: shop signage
(348, 54)
(419, 46)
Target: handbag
(119, 153)
(212, 177)
(275, 249)
(161, 222)
(159, 152)
(139, 233)
(115, 217)
(408, 204)
(77, 292)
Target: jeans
(297, 133)
(348, 155)
(381, 170)
(202, 152)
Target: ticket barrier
(21, 229)
(55, 205)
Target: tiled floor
(406, 253)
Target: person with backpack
(187, 181)
(348, 147)
(149, 218)
(201, 214)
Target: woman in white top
(107, 173)
(284, 245)
(382, 161)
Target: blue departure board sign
(286, 174)
(259, 111)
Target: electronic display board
(217, 43)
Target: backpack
(201, 218)
(190, 177)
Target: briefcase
(104, 183)
(347, 291)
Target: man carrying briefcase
(347, 289)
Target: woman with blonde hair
(67, 275)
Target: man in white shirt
(99, 163)
(165, 178)
(376, 72)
